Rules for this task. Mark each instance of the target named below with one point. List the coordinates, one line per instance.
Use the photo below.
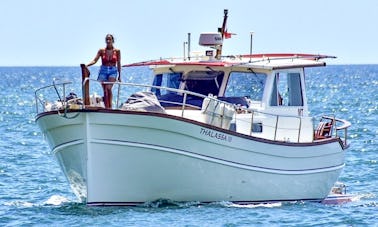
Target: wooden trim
(84, 75)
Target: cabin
(268, 95)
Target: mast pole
(222, 31)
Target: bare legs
(108, 94)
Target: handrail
(184, 104)
(50, 86)
(345, 125)
(152, 86)
(214, 98)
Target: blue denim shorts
(107, 72)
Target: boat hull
(127, 157)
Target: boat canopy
(263, 61)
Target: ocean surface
(34, 191)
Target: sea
(34, 191)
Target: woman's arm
(94, 61)
(119, 64)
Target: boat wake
(19, 204)
(251, 206)
(163, 203)
(56, 200)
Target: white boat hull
(125, 158)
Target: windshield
(204, 82)
(246, 84)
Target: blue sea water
(34, 191)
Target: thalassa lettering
(215, 135)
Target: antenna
(189, 46)
(250, 48)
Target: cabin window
(246, 84)
(170, 80)
(203, 82)
(287, 90)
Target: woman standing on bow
(110, 69)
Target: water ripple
(33, 190)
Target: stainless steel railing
(123, 91)
(339, 130)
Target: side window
(287, 90)
(170, 80)
(246, 84)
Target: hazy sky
(69, 32)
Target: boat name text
(215, 135)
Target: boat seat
(323, 131)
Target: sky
(70, 32)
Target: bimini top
(263, 61)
